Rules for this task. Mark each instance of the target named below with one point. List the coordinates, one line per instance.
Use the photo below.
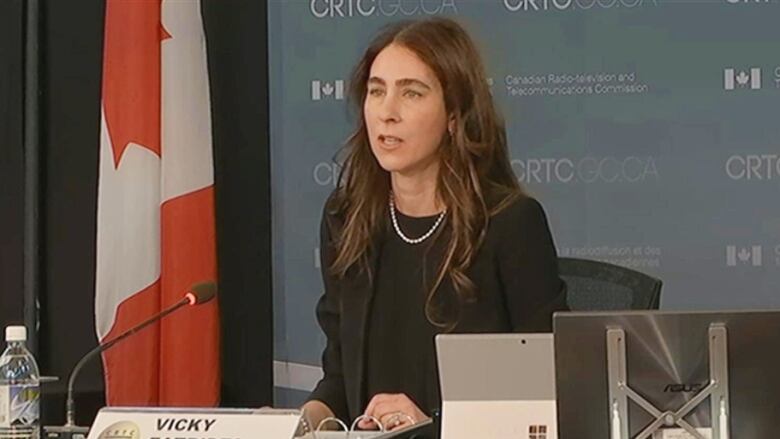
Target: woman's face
(404, 112)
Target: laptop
(716, 369)
(497, 386)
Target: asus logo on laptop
(683, 388)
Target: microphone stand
(70, 430)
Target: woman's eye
(375, 92)
(413, 94)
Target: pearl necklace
(405, 238)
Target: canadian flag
(155, 231)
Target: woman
(428, 231)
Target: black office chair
(600, 286)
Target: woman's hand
(394, 411)
(314, 412)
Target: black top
(515, 273)
(400, 352)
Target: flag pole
(32, 223)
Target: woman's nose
(389, 109)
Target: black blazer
(518, 288)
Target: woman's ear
(451, 125)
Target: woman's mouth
(389, 142)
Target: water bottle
(19, 388)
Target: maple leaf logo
(327, 89)
(749, 78)
(742, 78)
(750, 255)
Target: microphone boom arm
(70, 409)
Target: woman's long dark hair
(475, 176)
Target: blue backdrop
(649, 130)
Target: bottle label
(3, 406)
(19, 405)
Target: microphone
(201, 292)
(197, 294)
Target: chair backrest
(601, 286)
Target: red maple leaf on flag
(131, 76)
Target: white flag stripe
(187, 163)
(757, 255)
(755, 78)
(315, 90)
(128, 227)
(728, 79)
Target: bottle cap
(15, 333)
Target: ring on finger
(398, 418)
(391, 419)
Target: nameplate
(193, 423)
